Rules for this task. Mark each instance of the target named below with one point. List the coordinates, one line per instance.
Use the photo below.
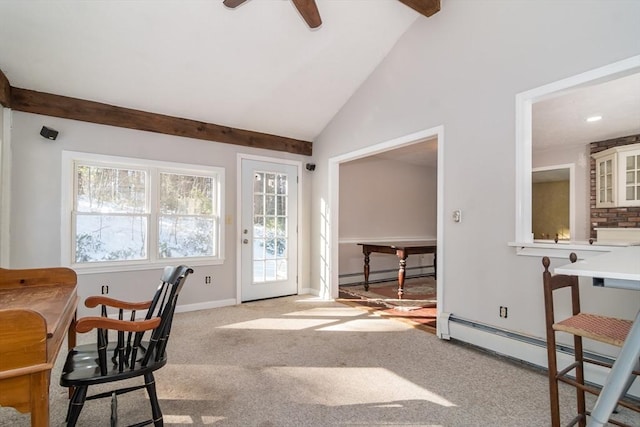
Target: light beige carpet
(298, 361)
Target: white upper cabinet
(618, 176)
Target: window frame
(153, 169)
(523, 138)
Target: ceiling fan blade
(425, 7)
(309, 11)
(233, 3)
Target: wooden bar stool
(604, 329)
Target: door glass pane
(258, 183)
(270, 227)
(258, 204)
(282, 184)
(281, 271)
(269, 270)
(270, 183)
(282, 227)
(270, 204)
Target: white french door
(269, 224)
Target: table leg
(366, 270)
(403, 265)
(40, 398)
(616, 381)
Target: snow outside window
(132, 212)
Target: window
(130, 212)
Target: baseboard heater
(562, 348)
(389, 274)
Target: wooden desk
(402, 251)
(619, 268)
(37, 309)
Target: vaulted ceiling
(252, 75)
(256, 68)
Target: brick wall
(627, 217)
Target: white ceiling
(561, 119)
(257, 67)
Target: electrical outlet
(105, 289)
(207, 280)
(503, 312)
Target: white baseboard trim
(309, 291)
(205, 305)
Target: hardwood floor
(417, 307)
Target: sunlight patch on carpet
(305, 385)
(367, 325)
(279, 324)
(350, 386)
(327, 312)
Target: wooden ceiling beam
(30, 101)
(5, 91)
(424, 7)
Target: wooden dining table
(402, 250)
(37, 310)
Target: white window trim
(523, 140)
(69, 158)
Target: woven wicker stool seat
(609, 330)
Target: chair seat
(609, 330)
(82, 368)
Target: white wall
(36, 202)
(462, 69)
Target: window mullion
(153, 208)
